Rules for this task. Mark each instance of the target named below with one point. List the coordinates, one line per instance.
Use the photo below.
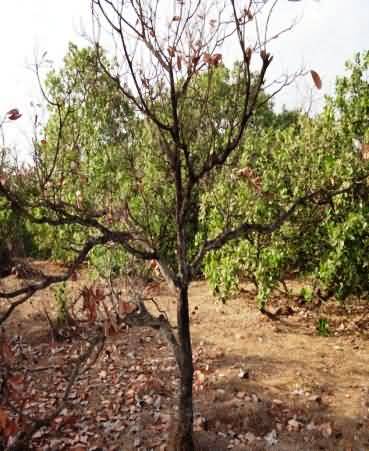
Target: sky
(328, 33)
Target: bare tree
(168, 51)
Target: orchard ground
(260, 382)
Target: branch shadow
(246, 407)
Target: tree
(174, 138)
(327, 244)
(14, 237)
(341, 268)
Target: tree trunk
(181, 439)
(6, 262)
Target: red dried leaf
(171, 51)
(16, 382)
(212, 60)
(11, 429)
(248, 54)
(13, 114)
(8, 426)
(195, 60)
(125, 308)
(14, 117)
(6, 351)
(62, 421)
(207, 58)
(12, 111)
(4, 418)
(89, 303)
(216, 59)
(316, 79)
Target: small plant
(323, 327)
(60, 295)
(306, 294)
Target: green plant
(323, 327)
(306, 294)
(61, 303)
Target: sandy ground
(259, 383)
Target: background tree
(286, 159)
(15, 239)
(342, 267)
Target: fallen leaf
(271, 437)
(325, 429)
(250, 437)
(243, 374)
(293, 425)
(4, 417)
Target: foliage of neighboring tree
(80, 149)
(343, 266)
(350, 104)
(328, 244)
(15, 236)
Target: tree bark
(6, 262)
(181, 438)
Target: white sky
(329, 32)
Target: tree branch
(321, 196)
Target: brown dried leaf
(316, 79)
(365, 151)
(216, 59)
(4, 418)
(5, 350)
(212, 60)
(179, 62)
(248, 54)
(16, 382)
(325, 429)
(11, 429)
(171, 51)
(195, 59)
(8, 426)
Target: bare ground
(259, 383)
